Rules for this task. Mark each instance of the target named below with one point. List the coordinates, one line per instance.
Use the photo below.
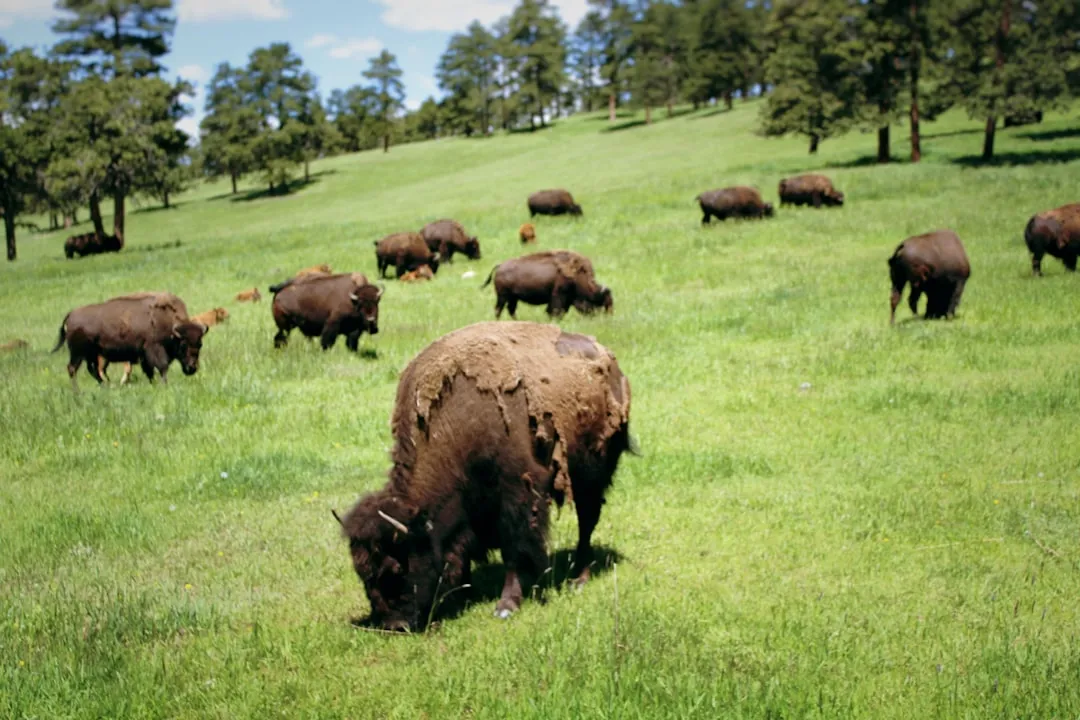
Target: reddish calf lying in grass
(421, 274)
(323, 269)
(252, 295)
(16, 344)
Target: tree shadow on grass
(158, 208)
(531, 130)
(618, 114)
(1047, 135)
(713, 113)
(487, 583)
(293, 185)
(171, 245)
(658, 118)
(1014, 159)
(863, 161)
(951, 133)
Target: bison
(13, 345)
(1054, 232)
(553, 202)
(447, 237)
(406, 251)
(210, 318)
(733, 202)
(251, 295)
(491, 424)
(92, 244)
(420, 274)
(935, 264)
(327, 306)
(149, 328)
(321, 269)
(816, 190)
(527, 233)
(557, 278)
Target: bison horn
(176, 330)
(382, 289)
(354, 297)
(398, 525)
(337, 517)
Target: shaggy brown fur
(447, 237)
(492, 423)
(92, 244)
(163, 297)
(1056, 233)
(733, 202)
(527, 233)
(252, 295)
(556, 278)
(13, 345)
(421, 274)
(935, 264)
(405, 251)
(553, 202)
(810, 189)
(210, 318)
(326, 306)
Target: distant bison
(210, 318)
(447, 237)
(553, 202)
(92, 244)
(556, 278)
(405, 251)
(527, 233)
(816, 190)
(327, 306)
(149, 328)
(13, 345)
(252, 295)
(1054, 232)
(492, 423)
(733, 202)
(935, 264)
(420, 274)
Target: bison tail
(63, 334)
(489, 277)
(275, 289)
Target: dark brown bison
(556, 278)
(733, 202)
(816, 190)
(553, 202)
(92, 244)
(149, 328)
(447, 237)
(326, 306)
(405, 251)
(527, 233)
(1054, 232)
(935, 264)
(251, 295)
(492, 423)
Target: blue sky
(335, 37)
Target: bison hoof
(503, 613)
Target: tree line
(94, 119)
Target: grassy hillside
(831, 516)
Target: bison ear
(205, 328)
(382, 289)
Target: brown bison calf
(13, 345)
(327, 306)
(92, 244)
(405, 251)
(556, 278)
(553, 202)
(1056, 233)
(322, 269)
(210, 318)
(527, 233)
(447, 237)
(816, 190)
(421, 274)
(252, 295)
(149, 328)
(733, 202)
(492, 424)
(935, 264)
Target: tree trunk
(95, 215)
(166, 199)
(307, 171)
(648, 115)
(75, 216)
(916, 145)
(727, 99)
(611, 107)
(68, 222)
(386, 143)
(670, 108)
(988, 140)
(233, 177)
(54, 221)
(883, 154)
(118, 217)
(814, 140)
(9, 232)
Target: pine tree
(389, 92)
(353, 113)
(278, 85)
(587, 57)
(722, 52)
(538, 39)
(466, 72)
(230, 127)
(656, 54)
(618, 34)
(115, 37)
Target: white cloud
(202, 10)
(196, 74)
(455, 15)
(190, 125)
(355, 47)
(12, 10)
(321, 40)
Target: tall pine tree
(389, 92)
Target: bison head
(433, 262)
(472, 248)
(393, 558)
(365, 300)
(835, 198)
(186, 342)
(575, 210)
(768, 210)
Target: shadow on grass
(487, 583)
(171, 245)
(951, 133)
(1013, 159)
(158, 208)
(658, 117)
(713, 113)
(531, 130)
(292, 186)
(1047, 135)
(865, 161)
(618, 114)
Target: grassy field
(831, 517)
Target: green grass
(899, 541)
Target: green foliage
(537, 55)
(586, 57)
(230, 126)
(722, 56)
(466, 73)
(389, 91)
(354, 113)
(115, 37)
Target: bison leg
(352, 341)
(1036, 263)
(913, 298)
(500, 303)
(588, 513)
(282, 337)
(73, 369)
(127, 374)
(894, 300)
(329, 334)
(815, 200)
(511, 308)
(705, 219)
(1070, 262)
(954, 300)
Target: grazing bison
(92, 244)
(420, 274)
(492, 423)
(13, 345)
(733, 202)
(527, 233)
(816, 190)
(1054, 232)
(252, 295)
(447, 237)
(557, 278)
(327, 306)
(406, 251)
(553, 202)
(149, 328)
(210, 318)
(935, 264)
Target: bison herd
(537, 415)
